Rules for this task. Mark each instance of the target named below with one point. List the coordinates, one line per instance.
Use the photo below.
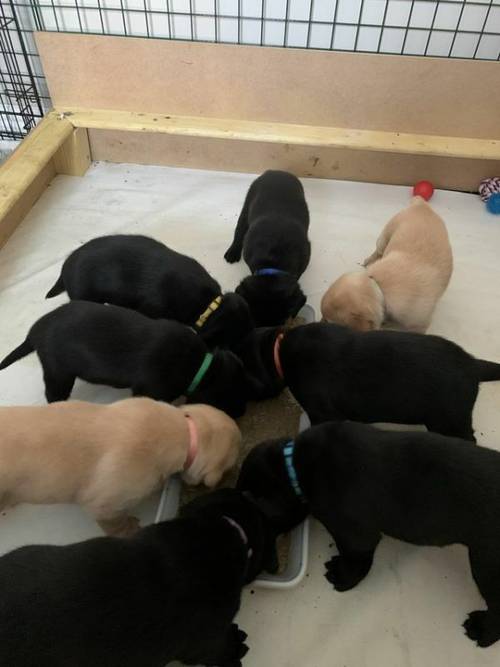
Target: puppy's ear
(271, 562)
(361, 323)
(213, 478)
(298, 300)
(271, 511)
(242, 290)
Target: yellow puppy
(109, 457)
(405, 276)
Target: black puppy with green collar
(361, 483)
(161, 359)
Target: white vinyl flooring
(409, 610)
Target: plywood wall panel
(255, 157)
(395, 93)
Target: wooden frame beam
(73, 157)
(27, 172)
(284, 133)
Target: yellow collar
(211, 308)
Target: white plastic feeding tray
(296, 565)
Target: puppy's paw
(232, 255)
(124, 526)
(339, 575)
(482, 627)
(236, 648)
(372, 258)
(131, 526)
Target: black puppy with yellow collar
(161, 359)
(361, 482)
(143, 274)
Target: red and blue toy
(489, 191)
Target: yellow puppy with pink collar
(107, 458)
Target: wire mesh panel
(20, 105)
(442, 28)
(439, 28)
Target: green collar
(200, 374)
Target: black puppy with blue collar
(272, 234)
(361, 483)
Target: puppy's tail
(488, 370)
(21, 351)
(58, 288)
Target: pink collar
(193, 442)
(276, 353)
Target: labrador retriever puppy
(404, 279)
(259, 352)
(169, 593)
(161, 359)
(336, 373)
(272, 234)
(109, 457)
(143, 274)
(361, 482)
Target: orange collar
(193, 442)
(276, 354)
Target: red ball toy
(424, 189)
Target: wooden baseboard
(285, 133)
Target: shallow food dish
(293, 560)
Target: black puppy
(169, 593)
(361, 482)
(336, 373)
(260, 354)
(143, 274)
(272, 233)
(110, 345)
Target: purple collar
(241, 533)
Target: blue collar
(288, 450)
(270, 272)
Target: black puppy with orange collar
(161, 359)
(140, 273)
(339, 374)
(361, 483)
(272, 235)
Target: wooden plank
(255, 157)
(74, 157)
(22, 207)
(25, 174)
(285, 133)
(441, 96)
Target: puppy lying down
(404, 278)
(109, 457)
